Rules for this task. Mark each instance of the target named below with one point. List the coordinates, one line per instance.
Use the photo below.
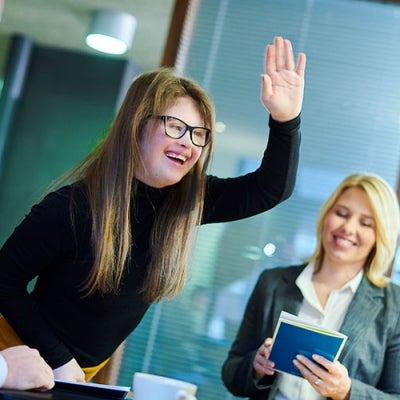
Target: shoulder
(58, 204)
(392, 292)
(390, 307)
(65, 194)
(388, 297)
(275, 276)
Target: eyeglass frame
(189, 128)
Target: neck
(334, 275)
(329, 277)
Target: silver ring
(317, 381)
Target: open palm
(283, 81)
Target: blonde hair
(385, 208)
(109, 175)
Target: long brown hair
(385, 207)
(109, 175)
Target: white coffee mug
(156, 387)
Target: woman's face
(168, 160)
(349, 229)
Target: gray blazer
(371, 353)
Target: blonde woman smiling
(343, 286)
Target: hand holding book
(293, 336)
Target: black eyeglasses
(175, 128)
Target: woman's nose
(185, 140)
(349, 225)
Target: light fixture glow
(111, 31)
(220, 126)
(106, 44)
(269, 249)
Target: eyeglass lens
(176, 128)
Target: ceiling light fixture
(111, 31)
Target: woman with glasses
(115, 234)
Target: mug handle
(182, 395)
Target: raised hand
(283, 81)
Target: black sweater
(54, 317)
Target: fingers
(270, 64)
(309, 370)
(328, 365)
(279, 56)
(328, 378)
(275, 55)
(301, 64)
(45, 380)
(280, 53)
(287, 61)
(261, 364)
(268, 344)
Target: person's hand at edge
(26, 369)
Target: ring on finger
(317, 381)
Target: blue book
(293, 336)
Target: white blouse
(291, 387)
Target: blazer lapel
(289, 297)
(364, 307)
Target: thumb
(266, 88)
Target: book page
(294, 319)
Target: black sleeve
(229, 199)
(43, 238)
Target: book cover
(98, 390)
(65, 390)
(293, 336)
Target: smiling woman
(168, 153)
(114, 234)
(343, 286)
(348, 232)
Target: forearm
(25, 326)
(229, 199)
(237, 374)
(23, 321)
(278, 169)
